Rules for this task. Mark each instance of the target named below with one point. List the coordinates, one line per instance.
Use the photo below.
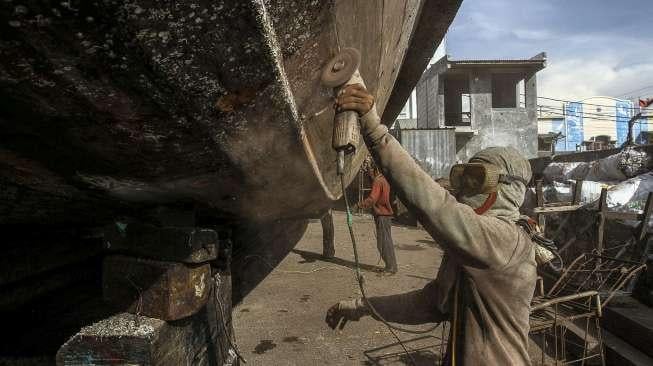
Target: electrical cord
(360, 279)
(544, 242)
(217, 303)
(359, 275)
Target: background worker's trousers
(384, 242)
(328, 247)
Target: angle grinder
(340, 71)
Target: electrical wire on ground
(361, 280)
(217, 303)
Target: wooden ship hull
(112, 109)
(218, 104)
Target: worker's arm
(415, 307)
(374, 195)
(476, 240)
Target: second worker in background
(379, 201)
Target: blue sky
(594, 47)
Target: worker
(379, 201)
(487, 277)
(328, 239)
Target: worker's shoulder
(505, 230)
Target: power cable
(359, 275)
(607, 118)
(583, 113)
(591, 115)
(360, 279)
(601, 120)
(636, 90)
(579, 102)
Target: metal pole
(631, 123)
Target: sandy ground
(282, 321)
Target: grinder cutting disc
(340, 68)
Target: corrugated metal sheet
(433, 149)
(406, 123)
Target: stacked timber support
(171, 287)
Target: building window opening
(405, 113)
(457, 100)
(410, 108)
(507, 90)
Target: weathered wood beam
(204, 338)
(138, 340)
(175, 244)
(165, 290)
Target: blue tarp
(623, 114)
(574, 122)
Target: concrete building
(409, 112)
(468, 105)
(592, 119)
(546, 138)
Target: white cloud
(593, 47)
(532, 34)
(576, 78)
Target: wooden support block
(205, 338)
(646, 216)
(631, 321)
(602, 216)
(175, 244)
(128, 339)
(578, 190)
(539, 194)
(164, 290)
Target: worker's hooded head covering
(509, 196)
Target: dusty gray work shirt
(491, 257)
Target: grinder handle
(346, 130)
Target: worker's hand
(345, 311)
(354, 98)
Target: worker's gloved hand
(356, 98)
(345, 311)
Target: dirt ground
(282, 321)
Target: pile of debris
(604, 206)
(627, 175)
(626, 178)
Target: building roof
(537, 62)
(546, 115)
(550, 135)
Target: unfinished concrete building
(474, 104)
